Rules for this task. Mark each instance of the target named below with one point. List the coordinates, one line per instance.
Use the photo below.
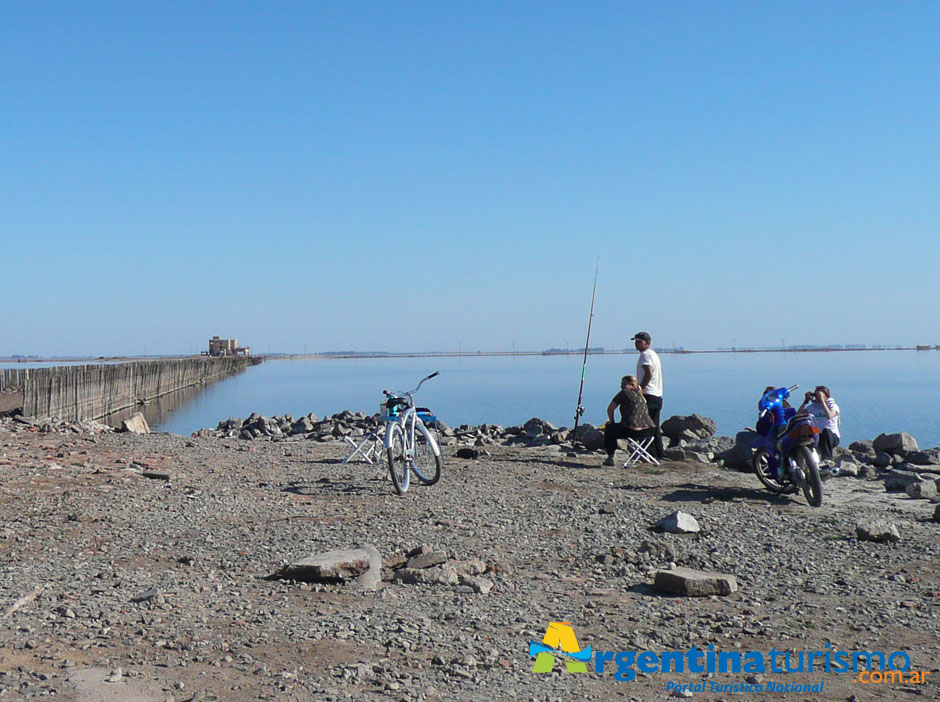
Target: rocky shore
(154, 567)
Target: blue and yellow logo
(559, 641)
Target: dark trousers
(827, 442)
(612, 432)
(655, 406)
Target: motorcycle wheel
(760, 461)
(812, 488)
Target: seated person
(825, 412)
(635, 420)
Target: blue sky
(415, 176)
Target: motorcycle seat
(798, 417)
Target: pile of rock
(900, 463)
(50, 425)
(535, 432)
(895, 458)
(363, 566)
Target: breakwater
(78, 393)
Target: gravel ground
(119, 586)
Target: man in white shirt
(650, 372)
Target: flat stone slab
(694, 583)
(330, 565)
(426, 560)
(880, 531)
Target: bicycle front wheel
(397, 465)
(428, 460)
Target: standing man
(650, 372)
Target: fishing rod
(580, 410)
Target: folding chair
(369, 447)
(639, 450)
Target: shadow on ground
(690, 492)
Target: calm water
(876, 390)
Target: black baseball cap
(642, 336)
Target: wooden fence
(78, 393)
(13, 377)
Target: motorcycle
(785, 457)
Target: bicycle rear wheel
(395, 451)
(428, 460)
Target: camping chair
(639, 449)
(369, 447)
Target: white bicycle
(409, 444)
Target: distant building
(227, 347)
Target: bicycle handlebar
(412, 392)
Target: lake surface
(877, 391)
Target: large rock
(330, 565)
(880, 531)
(703, 426)
(694, 583)
(936, 514)
(533, 427)
(301, 426)
(714, 444)
(922, 490)
(898, 480)
(682, 428)
(740, 455)
(900, 443)
(679, 523)
(135, 424)
(592, 438)
(930, 457)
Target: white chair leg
(371, 440)
(639, 452)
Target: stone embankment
(894, 459)
(212, 567)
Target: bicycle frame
(408, 418)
